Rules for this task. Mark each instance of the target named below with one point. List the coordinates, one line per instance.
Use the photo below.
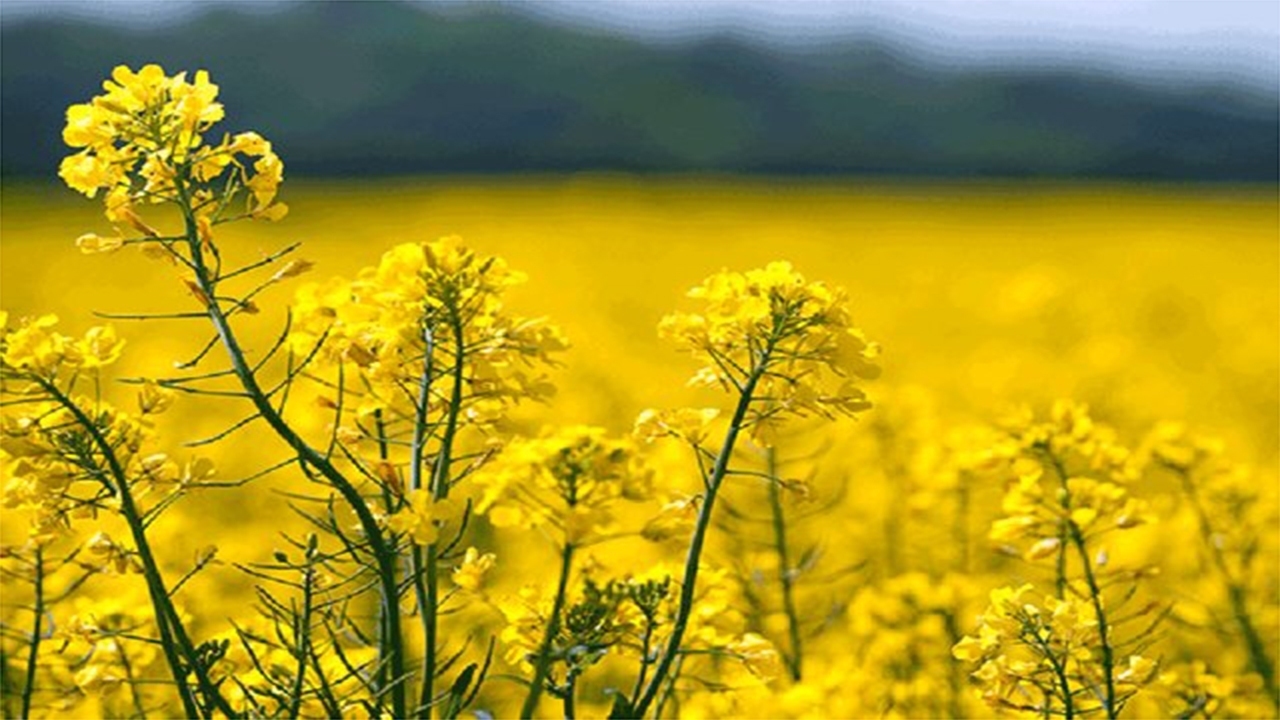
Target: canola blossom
(422, 527)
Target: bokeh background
(1026, 201)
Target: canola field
(978, 450)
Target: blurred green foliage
(389, 88)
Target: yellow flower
(420, 519)
(689, 424)
(793, 340)
(90, 243)
(759, 655)
(470, 574)
(154, 399)
(100, 346)
(569, 477)
(675, 519)
(97, 679)
(145, 134)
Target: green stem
(1060, 575)
(645, 647)
(37, 630)
(542, 663)
(1236, 595)
(785, 572)
(173, 636)
(1059, 672)
(302, 640)
(425, 598)
(440, 491)
(1095, 595)
(392, 646)
(570, 691)
(694, 557)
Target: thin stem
(424, 589)
(1059, 672)
(166, 616)
(391, 650)
(1236, 594)
(570, 691)
(1095, 594)
(1060, 568)
(645, 647)
(785, 573)
(302, 640)
(37, 630)
(440, 491)
(694, 557)
(542, 663)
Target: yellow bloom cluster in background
(373, 518)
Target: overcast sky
(1152, 37)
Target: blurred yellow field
(1146, 304)
(1145, 301)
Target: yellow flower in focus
(789, 341)
(142, 141)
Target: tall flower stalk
(781, 346)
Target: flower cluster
(900, 631)
(569, 478)
(61, 450)
(142, 141)
(1069, 483)
(790, 341)
(35, 348)
(1044, 656)
(432, 312)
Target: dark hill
(376, 88)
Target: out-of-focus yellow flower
(674, 520)
(569, 478)
(97, 679)
(688, 424)
(759, 655)
(422, 517)
(469, 575)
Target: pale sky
(1147, 37)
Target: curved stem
(1236, 595)
(542, 663)
(173, 637)
(424, 587)
(694, 557)
(392, 646)
(439, 491)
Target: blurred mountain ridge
(392, 88)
